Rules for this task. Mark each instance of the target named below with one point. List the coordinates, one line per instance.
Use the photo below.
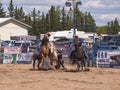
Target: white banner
(25, 58)
(108, 58)
(7, 58)
(12, 50)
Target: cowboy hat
(75, 35)
(48, 33)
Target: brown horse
(47, 52)
(78, 55)
(43, 55)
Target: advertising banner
(12, 50)
(7, 58)
(24, 58)
(108, 59)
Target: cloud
(109, 16)
(102, 10)
(93, 4)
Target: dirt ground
(22, 77)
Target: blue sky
(102, 10)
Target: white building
(12, 27)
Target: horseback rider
(46, 38)
(45, 41)
(74, 46)
(76, 43)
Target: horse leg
(82, 64)
(51, 62)
(34, 63)
(78, 65)
(85, 65)
(51, 59)
(39, 61)
(34, 59)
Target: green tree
(116, 26)
(70, 18)
(29, 22)
(43, 24)
(52, 18)
(58, 19)
(63, 20)
(21, 14)
(2, 12)
(47, 21)
(11, 9)
(16, 13)
(34, 20)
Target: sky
(102, 11)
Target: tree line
(111, 28)
(57, 19)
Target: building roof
(4, 20)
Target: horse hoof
(57, 67)
(65, 69)
(33, 68)
(87, 69)
(38, 68)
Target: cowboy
(46, 38)
(75, 43)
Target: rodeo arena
(99, 51)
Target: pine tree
(52, 13)
(2, 13)
(108, 28)
(47, 21)
(70, 15)
(58, 19)
(21, 14)
(116, 26)
(11, 9)
(34, 21)
(63, 22)
(16, 13)
(43, 28)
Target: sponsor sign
(108, 59)
(12, 50)
(24, 58)
(7, 58)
